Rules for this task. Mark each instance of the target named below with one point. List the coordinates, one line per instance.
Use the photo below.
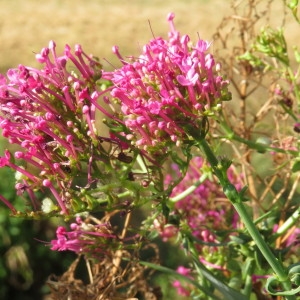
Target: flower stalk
(236, 198)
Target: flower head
(205, 210)
(183, 289)
(50, 114)
(173, 83)
(83, 238)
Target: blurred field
(27, 26)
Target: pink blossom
(181, 290)
(294, 238)
(171, 84)
(183, 271)
(84, 238)
(205, 209)
(166, 231)
(49, 113)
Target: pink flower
(294, 238)
(205, 209)
(190, 79)
(49, 113)
(166, 231)
(4, 161)
(183, 270)
(84, 238)
(182, 291)
(171, 84)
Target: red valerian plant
(172, 85)
(50, 114)
(43, 112)
(161, 107)
(87, 238)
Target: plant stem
(262, 245)
(231, 135)
(236, 200)
(290, 222)
(189, 190)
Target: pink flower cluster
(173, 83)
(182, 290)
(84, 238)
(203, 212)
(50, 114)
(206, 208)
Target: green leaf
(248, 267)
(231, 193)
(296, 167)
(296, 54)
(271, 287)
(258, 258)
(252, 59)
(272, 43)
(227, 292)
(293, 5)
(294, 273)
(240, 239)
(182, 277)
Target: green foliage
(22, 275)
(126, 179)
(293, 5)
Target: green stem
(290, 222)
(294, 83)
(248, 286)
(227, 292)
(231, 135)
(236, 200)
(182, 277)
(189, 190)
(261, 244)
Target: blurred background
(28, 26)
